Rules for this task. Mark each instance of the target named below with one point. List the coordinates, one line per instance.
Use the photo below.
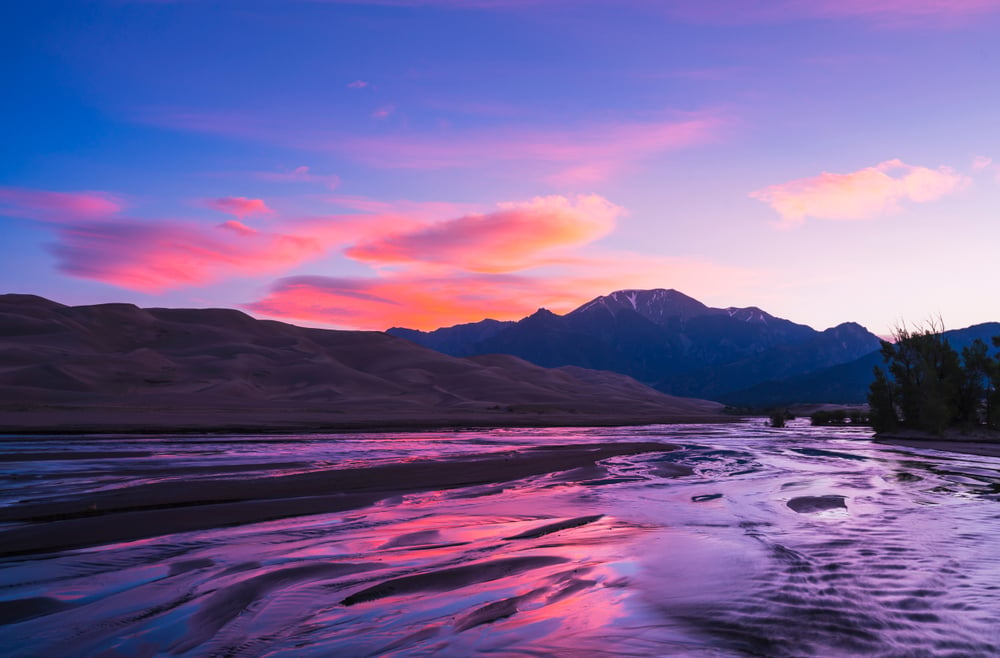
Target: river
(747, 541)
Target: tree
(927, 385)
(977, 385)
(882, 403)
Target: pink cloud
(862, 194)
(897, 13)
(427, 301)
(434, 263)
(357, 84)
(43, 204)
(157, 254)
(606, 145)
(238, 227)
(301, 174)
(239, 206)
(152, 257)
(513, 238)
(885, 12)
(889, 10)
(384, 112)
(981, 162)
(426, 210)
(586, 153)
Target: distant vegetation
(926, 385)
(839, 417)
(778, 417)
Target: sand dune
(117, 367)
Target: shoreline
(980, 442)
(978, 448)
(137, 422)
(161, 508)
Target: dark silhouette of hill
(845, 383)
(663, 338)
(116, 366)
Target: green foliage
(926, 385)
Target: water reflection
(748, 541)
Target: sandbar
(152, 509)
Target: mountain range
(116, 367)
(669, 341)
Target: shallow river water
(778, 542)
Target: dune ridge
(120, 368)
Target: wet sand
(152, 509)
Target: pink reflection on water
(619, 558)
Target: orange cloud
(239, 206)
(862, 194)
(43, 204)
(426, 301)
(511, 239)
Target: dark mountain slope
(664, 338)
(845, 383)
(229, 368)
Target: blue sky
(371, 164)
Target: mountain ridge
(663, 338)
(115, 366)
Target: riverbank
(985, 443)
(191, 503)
(277, 419)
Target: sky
(424, 163)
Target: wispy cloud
(300, 174)
(599, 149)
(44, 204)
(239, 206)
(862, 194)
(357, 84)
(586, 153)
(384, 112)
(981, 162)
(897, 13)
